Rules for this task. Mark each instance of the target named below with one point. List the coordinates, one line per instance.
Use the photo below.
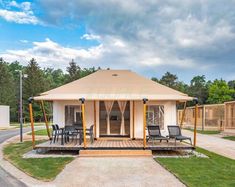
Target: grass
(229, 138)
(216, 171)
(26, 124)
(41, 132)
(205, 131)
(45, 169)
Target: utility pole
(21, 109)
(21, 103)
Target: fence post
(203, 117)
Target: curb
(18, 174)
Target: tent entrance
(114, 119)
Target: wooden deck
(104, 144)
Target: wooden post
(203, 117)
(133, 120)
(144, 121)
(31, 121)
(83, 121)
(225, 115)
(183, 114)
(195, 125)
(95, 118)
(45, 119)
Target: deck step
(115, 153)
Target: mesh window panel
(155, 115)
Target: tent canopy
(113, 85)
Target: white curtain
(122, 106)
(108, 107)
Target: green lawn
(205, 131)
(41, 132)
(26, 124)
(213, 171)
(229, 138)
(45, 169)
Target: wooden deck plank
(115, 144)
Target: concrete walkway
(214, 143)
(115, 172)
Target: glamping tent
(113, 102)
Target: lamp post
(21, 103)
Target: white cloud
(24, 41)
(90, 37)
(50, 53)
(25, 15)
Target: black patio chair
(90, 132)
(56, 132)
(53, 134)
(154, 133)
(175, 133)
(59, 132)
(70, 131)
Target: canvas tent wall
(4, 116)
(168, 108)
(210, 117)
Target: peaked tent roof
(113, 85)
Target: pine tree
(33, 85)
(74, 71)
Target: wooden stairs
(115, 153)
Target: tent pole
(95, 118)
(133, 120)
(31, 121)
(195, 125)
(144, 121)
(45, 119)
(183, 114)
(83, 121)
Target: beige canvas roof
(113, 85)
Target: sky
(150, 37)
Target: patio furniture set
(75, 132)
(70, 133)
(154, 133)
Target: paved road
(6, 134)
(6, 179)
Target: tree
(220, 92)
(199, 88)
(155, 79)
(33, 85)
(7, 90)
(55, 78)
(231, 85)
(169, 80)
(74, 71)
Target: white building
(4, 116)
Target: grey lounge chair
(175, 133)
(154, 133)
